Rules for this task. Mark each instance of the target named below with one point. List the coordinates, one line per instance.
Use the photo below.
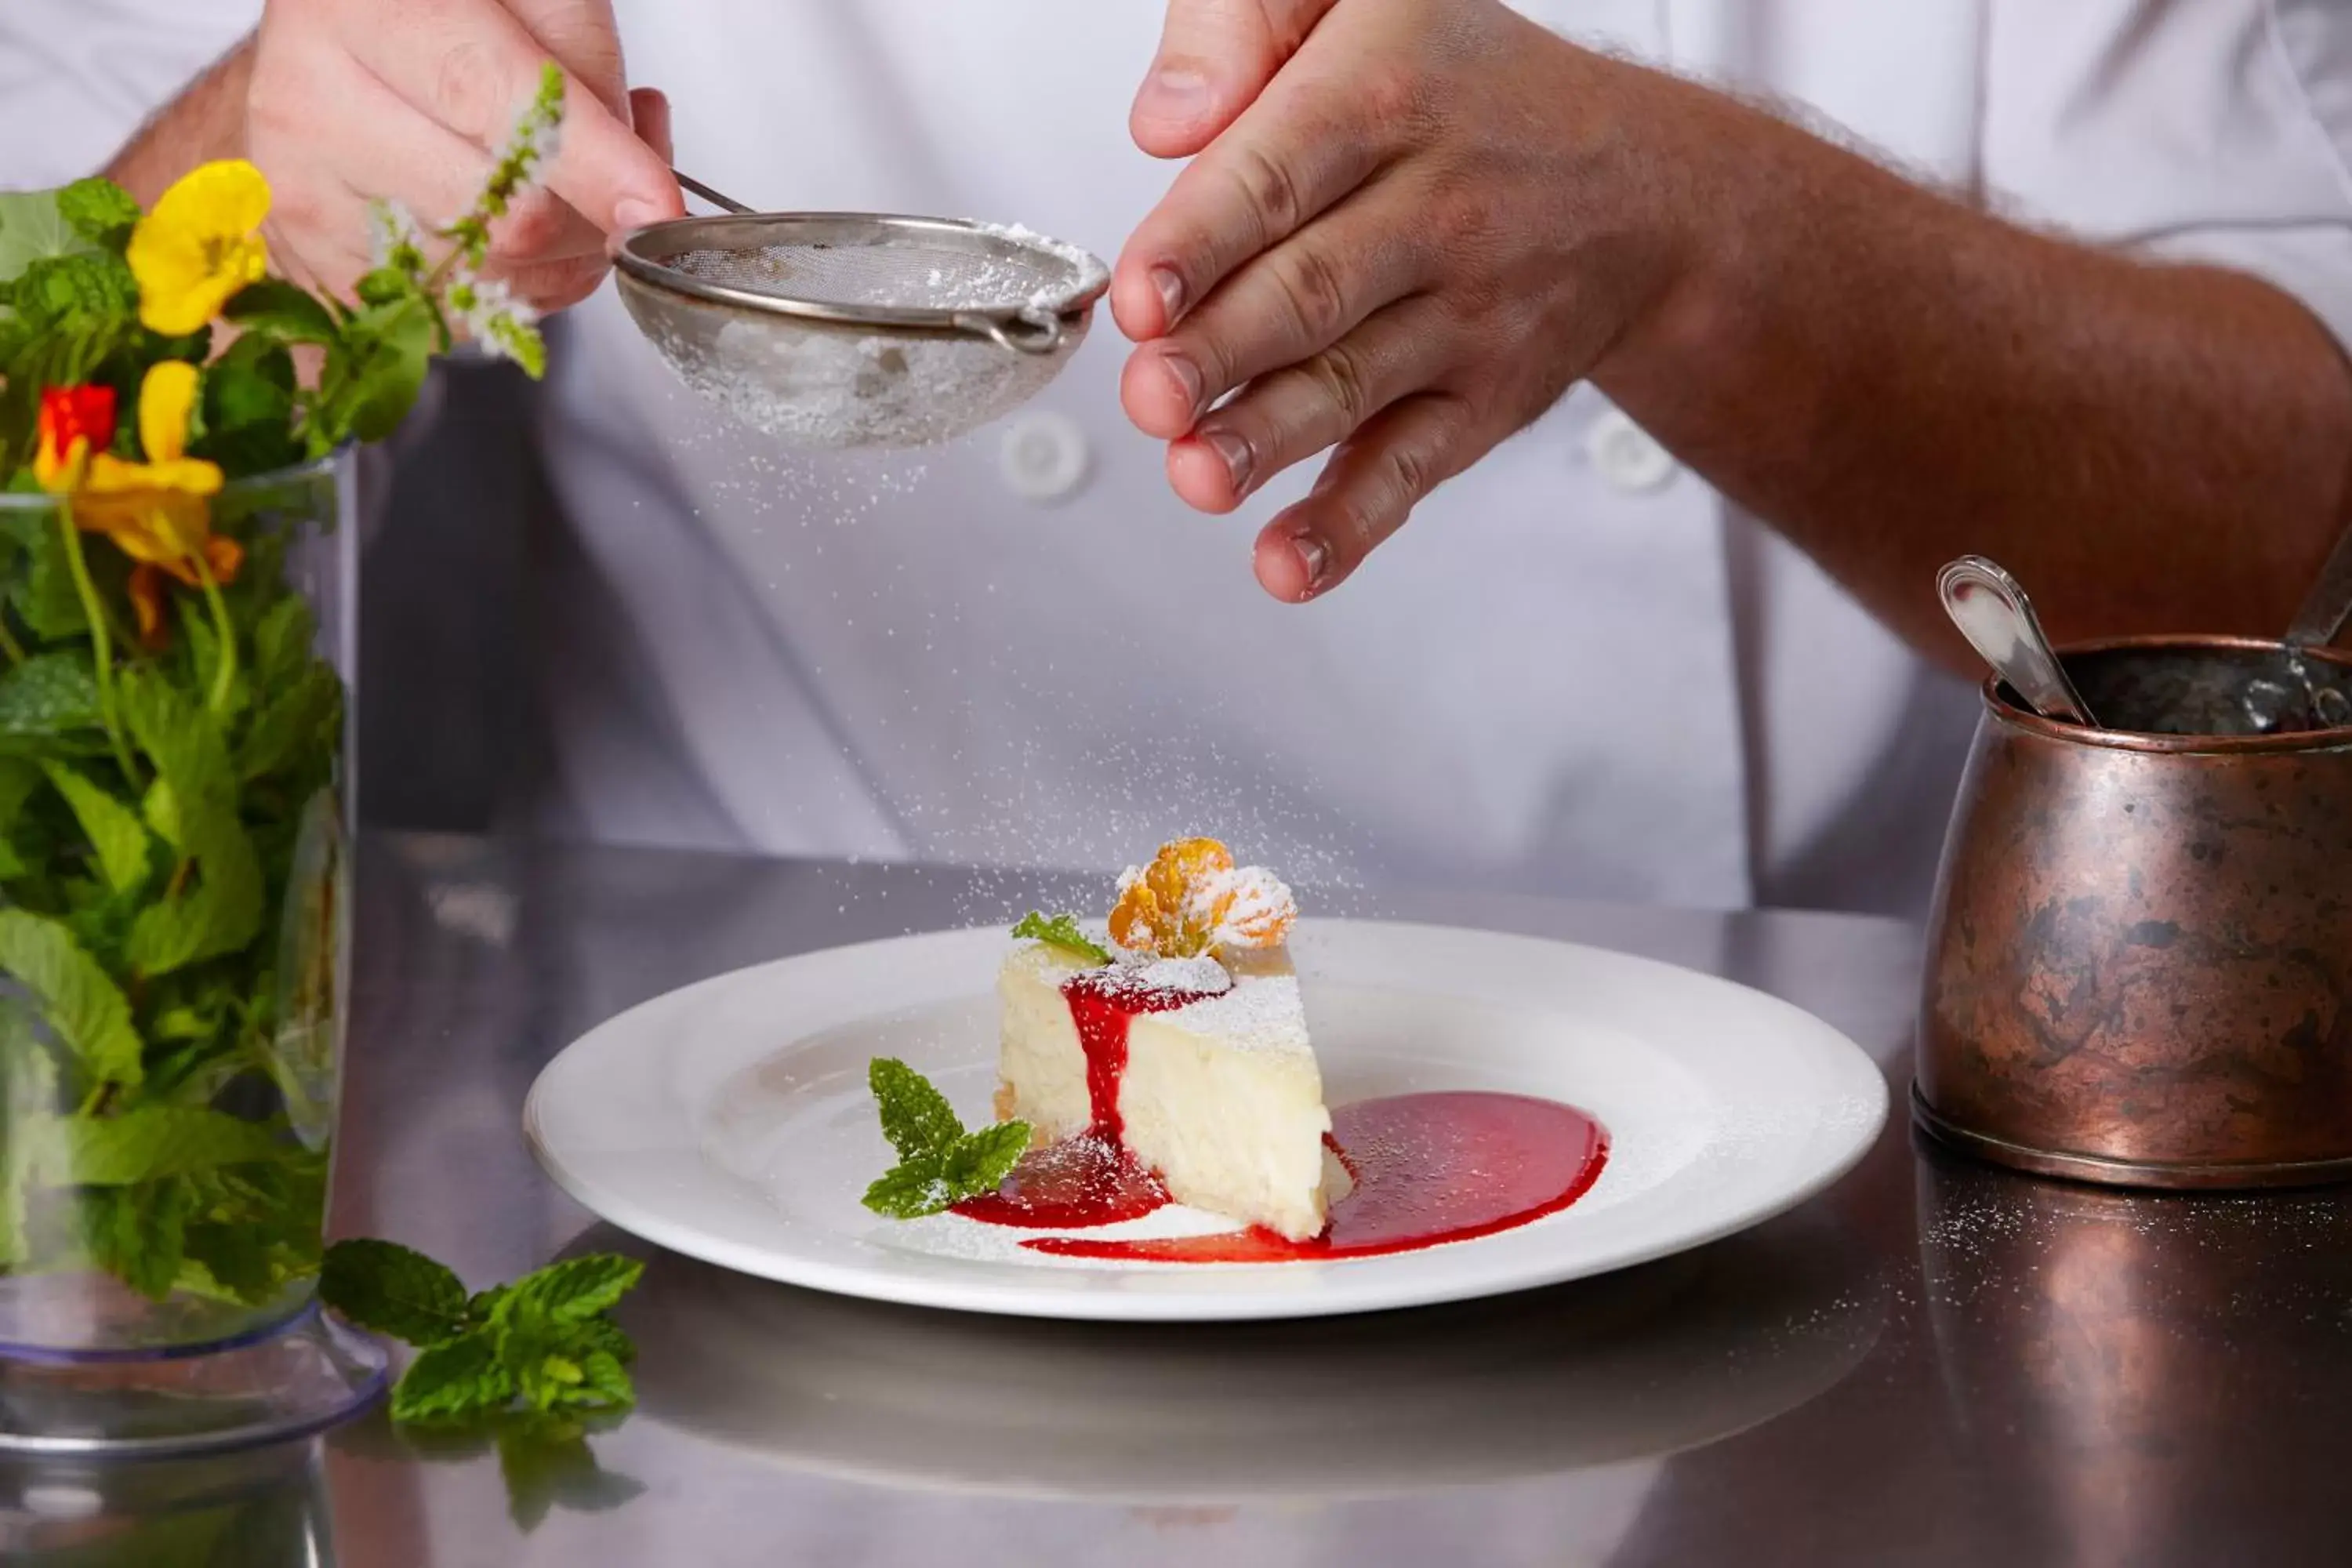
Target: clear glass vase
(175, 783)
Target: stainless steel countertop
(1932, 1364)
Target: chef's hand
(352, 99)
(1411, 226)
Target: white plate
(731, 1122)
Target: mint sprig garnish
(940, 1164)
(546, 1339)
(1061, 931)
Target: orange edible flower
(158, 512)
(1191, 899)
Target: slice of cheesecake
(1197, 1063)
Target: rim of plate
(1849, 1123)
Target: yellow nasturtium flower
(158, 512)
(199, 244)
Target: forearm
(206, 122)
(1892, 379)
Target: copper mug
(2139, 959)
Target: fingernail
(1187, 376)
(1178, 91)
(1172, 292)
(633, 213)
(1316, 556)
(1234, 449)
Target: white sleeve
(2214, 130)
(77, 77)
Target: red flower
(75, 421)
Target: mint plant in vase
(177, 577)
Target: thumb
(1216, 56)
(650, 117)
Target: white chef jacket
(1577, 671)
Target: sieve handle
(707, 195)
(1021, 336)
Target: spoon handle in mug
(1992, 611)
(2329, 603)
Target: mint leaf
(91, 296)
(31, 229)
(49, 694)
(18, 779)
(603, 1336)
(246, 414)
(220, 909)
(237, 1257)
(916, 1118)
(390, 343)
(149, 1142)
(114, 829)
(46, 597)
(1061, 931)
(911, 1189)
(544, 1339)
(29, 1088)
(283, 311)
(301, 721)
(98, 210)
(981, 1160)
(547, 1367)
(603, 1383)
(281, 641)
(571, 1291)
(81, 1005)
(454, 1380)
(137, 1234)
(938, 1163)
(393, 1289)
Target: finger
(473, 68)
(551, 286)
(1296, 300)
(1367, 491)
(437, 174)
(650, 113)
(1292, 156)
(1216, 56)
(585, 39)
(1288, 417)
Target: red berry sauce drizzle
(1428, 1168)
(1089, 1180)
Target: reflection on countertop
(262, 1508)
(2112, 1357)
(1636, 1365)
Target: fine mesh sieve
(858, 329)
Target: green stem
(8, 643)
(99, 644)
(225, 675)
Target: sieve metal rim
(643, 256)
